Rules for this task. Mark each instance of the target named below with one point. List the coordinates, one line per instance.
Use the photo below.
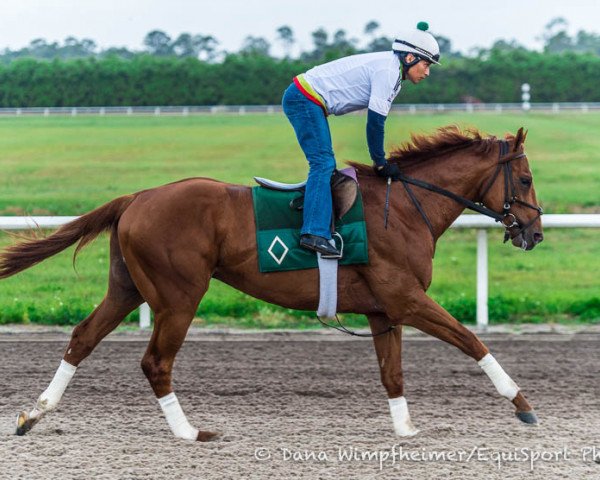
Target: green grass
(68, 166)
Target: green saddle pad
(278, 233)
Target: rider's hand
(390, 170)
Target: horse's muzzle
(527, 241)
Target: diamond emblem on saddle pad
(278, 244)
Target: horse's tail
(84, 229)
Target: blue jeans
(312, 130)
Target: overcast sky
(467, 23)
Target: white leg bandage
(503, 383)
(176, 419)
(401, 418)
(51, 396)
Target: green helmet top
(423, 26)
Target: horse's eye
(525, 181)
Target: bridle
(509, 220)
(512, 227)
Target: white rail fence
(498, 108)
(478, 222)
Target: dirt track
(304, 397)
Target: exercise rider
(370, 80)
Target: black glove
(390, 170)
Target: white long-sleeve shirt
(368, 80)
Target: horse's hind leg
(173, 282)
(389, 355)
(122, 298)
(170, 328)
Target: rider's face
(418, 72)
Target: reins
(507, 218)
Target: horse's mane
(445, 140)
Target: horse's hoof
(208, 436)
(406, 430)
(23, 424)
(528, 417)
(408, 433)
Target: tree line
(191, 70)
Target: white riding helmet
(419, 42)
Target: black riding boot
(319, 244)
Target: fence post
(482, 280)
(144, 315)
(525, 96)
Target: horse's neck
(461, 174)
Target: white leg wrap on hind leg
(503, 383)
(176, 419)
(401, 418)
(51, 396)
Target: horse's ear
(520, 138)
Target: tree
(185, 46)
(285, 35)
(74, 48)
(320, 37)
(446, 47)
(207, 47)
(587, 42)
(380, 44)
(158, 42)
(39, 48)
(507, 45)
(119, 52)
(341, 45)
(371, 28)
(555, 36)
(255, 46)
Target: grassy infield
(67, 166)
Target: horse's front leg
(429, 317)
(389, 355)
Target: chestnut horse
(168, 242)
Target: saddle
(344, 191)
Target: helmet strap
(405, 63)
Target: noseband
(513, 228)
(509, 220)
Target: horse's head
(510, 190)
